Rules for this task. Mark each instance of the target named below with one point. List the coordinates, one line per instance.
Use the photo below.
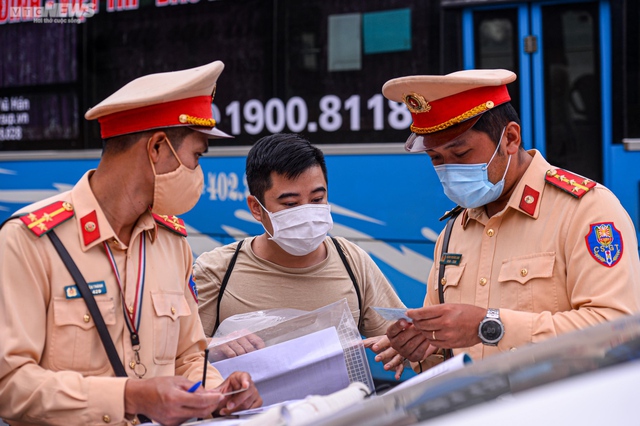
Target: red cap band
(455, 109)
(155, 116)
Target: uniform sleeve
(599, 289)
(29, 392)
(208, 272)
(192, 343)
(375, 290)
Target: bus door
(555, 49)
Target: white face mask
(300, 230)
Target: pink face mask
(176, 192)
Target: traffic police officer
(533, 251)
(119, 226)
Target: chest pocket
(452, 277)
(528, 278)
(75, 342)
(169, 308)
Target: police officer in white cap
(132, 344)
(531, 251)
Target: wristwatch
(491, 328)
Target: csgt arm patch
(604, 243)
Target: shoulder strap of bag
(223, 285)
(87, 295)
(448, 353)
(352, 276)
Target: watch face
(491, 330)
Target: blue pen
(194, 387)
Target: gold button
(86, 318)
(443, 281)
(131, 309)
(106, 418)
(489, 104)
(524, 272)
(483, 281)
(173, 310)
(183, 118)
(67, 206)
(552, 172)
(134, 421)
(529, 199)
(90, 226)
(490, 232)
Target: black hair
(494, 120)
(287, 154)
(120, 144)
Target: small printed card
(393, 314)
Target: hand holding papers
(451, 364)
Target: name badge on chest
(450, 259)
(72, 292)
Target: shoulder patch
(172, 223)
(604, 243)
(45, 219)
(571, 183)
(193, 287)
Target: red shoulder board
(570, 183)
(172, 223)
(45, 219)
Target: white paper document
(452, 364)
(313, 364)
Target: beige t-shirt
(256, 284)
(541, 268)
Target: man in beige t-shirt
(293, 264)
(535, 252)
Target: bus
(316, 67)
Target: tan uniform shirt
(53, 366)
(537, 268)
(257, 284)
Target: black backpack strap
(352, 276)
(223, 285)
(445, 246)
(87, 295)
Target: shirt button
(513, 349)
(173, 310)
(86, 318)
(106, 418)
(490, 232)
(443, 281)
(524, 272)
(483, 281)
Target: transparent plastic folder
(275, 326)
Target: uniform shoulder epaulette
(172, 223)
(570, 183)
(45, 219)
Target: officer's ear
(155, 144)
(512, 138)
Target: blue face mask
(468, 185)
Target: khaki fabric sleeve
(28, 392)
(597, 292)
